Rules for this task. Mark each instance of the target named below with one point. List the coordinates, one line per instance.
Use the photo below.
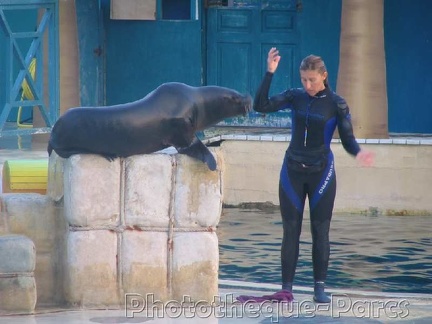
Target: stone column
(362, 67)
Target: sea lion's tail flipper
(199, 151)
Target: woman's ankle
(287, 286)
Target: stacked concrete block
(198, 206)
(198, 194)
(91, 268)
(55, 185)
(36, 217)
(141, 225)
(195, 266)
(147, 191)
(3, 223)
(147, 201)
(181, 197)
(144, 264)
(92, 191)
(17, 283)
(92, 211)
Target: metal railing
(31, 72)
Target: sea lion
(168, 116)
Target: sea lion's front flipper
(199, 151)
(109, 157)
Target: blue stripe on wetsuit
(288, 188)
(329, 130)
(327, 176)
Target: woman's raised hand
(273, 59)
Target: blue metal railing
(18, 71)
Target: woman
(308, 166)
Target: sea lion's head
(219, 103)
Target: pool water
(379, 253)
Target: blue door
(239, 36)
(143, 54)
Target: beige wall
(399, 182)
(69, 68)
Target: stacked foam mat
(141, 226)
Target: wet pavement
(345, 307)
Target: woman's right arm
(262, 102)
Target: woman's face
(313, 81)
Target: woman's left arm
(346, 133)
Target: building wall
(408, 36)
(140, 55)
(320, 23)
(398, 183)
(91, 53)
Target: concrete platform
(346, 307)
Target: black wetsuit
(308, 168)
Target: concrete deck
(346, 307)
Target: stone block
(17, 254)
(147, 191)
(17, 283)
(198, 193)
(91, 268)
(33, 215)
(92, 191)
(144, 263)
(17, 295)
(55, 186)
(37, 217)
(4, 228)
(195, 266)
(49, 279)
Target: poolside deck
(346, 307)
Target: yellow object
(26, 93)
(25, 176)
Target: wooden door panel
(234, 68)
(238, 40)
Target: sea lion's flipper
(199, 151)
(109, 157)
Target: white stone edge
(287, 138)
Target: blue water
(379, 253)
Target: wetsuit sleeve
(345, 128)
(262, 102)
